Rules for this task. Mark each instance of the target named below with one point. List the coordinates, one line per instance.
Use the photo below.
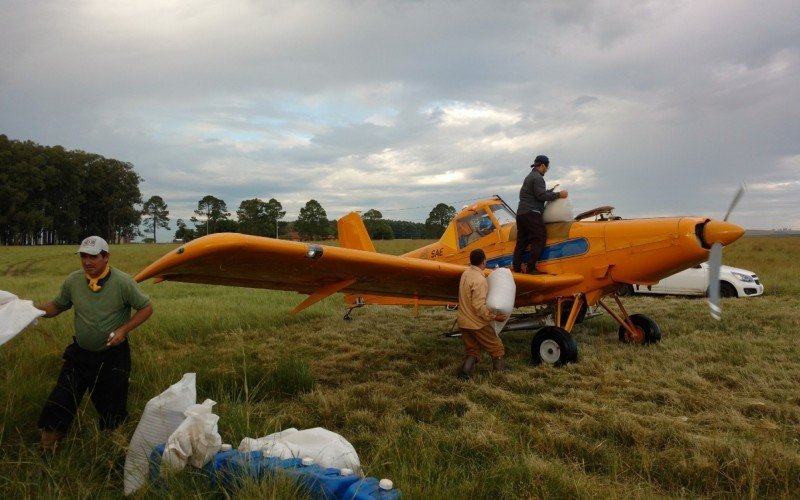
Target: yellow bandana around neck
(96, 284)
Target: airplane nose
(725, 233)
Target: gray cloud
(655, 107)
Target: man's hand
(501, 317)
(562, 194)
(116, 337)
(50, 309)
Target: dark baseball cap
(541, 160)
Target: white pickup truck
(733, 282)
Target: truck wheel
(727, 290)
(625, 290)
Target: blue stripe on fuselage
(560, 250)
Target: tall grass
(711, 411)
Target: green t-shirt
(99, 313)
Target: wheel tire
(651, 333)
(625, 290)
(727, 290)
(553, 346)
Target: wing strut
(321, 293)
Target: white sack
(502, 292)
(196, 440)
(249, 444)
(15, 315)
(559, 210)
(162, 415)
(327, 448)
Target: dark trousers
(530, 231)
(104, 374)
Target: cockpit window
(503, 214)
(473, 227)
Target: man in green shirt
(99, 359)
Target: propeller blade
(714, 265)
(720, 233)
(735, 201)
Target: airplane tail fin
(353, 234)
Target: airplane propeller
(718, 233)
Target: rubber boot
(499, 365)
(49, 442)
(466, 369)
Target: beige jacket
(472, 311)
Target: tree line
(262, 218)
(49, 195)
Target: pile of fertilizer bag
(175, 432)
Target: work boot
(498, 364)
(466, 369)
(49, 442)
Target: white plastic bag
(502, 292)
(162, 415)
(196, 440)
(15, 315)
(249, 444)
(326, 448)
(559, 210)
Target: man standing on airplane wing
(530, 226)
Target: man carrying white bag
(475, 318)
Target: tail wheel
(553, 346)
(647, 330)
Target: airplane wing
(251, 261)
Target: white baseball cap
(93, 245)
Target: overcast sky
(654, 107)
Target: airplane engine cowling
(645, 251)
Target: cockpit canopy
(473, 224)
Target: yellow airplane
(585, 262)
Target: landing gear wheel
(553, 346)
(727, 290)
(625, 290)
(647, 331)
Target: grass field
(711, 411)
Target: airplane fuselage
(607, 253)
